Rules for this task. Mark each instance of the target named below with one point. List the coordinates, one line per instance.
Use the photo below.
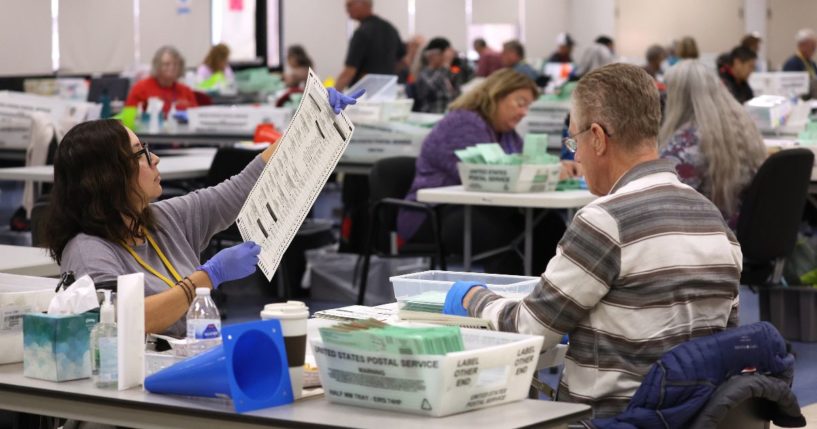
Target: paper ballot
(307, 154)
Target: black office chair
(389, 182)
(38, 213)
(114, 87)
(770, 215)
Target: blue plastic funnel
(250, 367)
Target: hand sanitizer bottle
(171, 124)
(103, 347)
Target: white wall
(644, 22)
(25, 32)
(544, 20)
(160, 24)
(588, 19)
(320, 26)
(444, 18)
(86, 43)
(95, 38)
(396, 12)
(495, 12)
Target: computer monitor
(115, 87)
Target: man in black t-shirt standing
(375, 46)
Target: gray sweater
(186, 225)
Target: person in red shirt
(166, 69)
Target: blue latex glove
(453, 301)
(232, 263)
(339, 101)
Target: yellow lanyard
(153, 271)
(812, 73)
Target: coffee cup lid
(287, 309)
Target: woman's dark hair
(298, 54)
(94, 174)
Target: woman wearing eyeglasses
(488, 113)
(104, 221)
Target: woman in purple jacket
(487, 113)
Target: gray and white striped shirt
(638, 271)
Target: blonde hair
(729, 141)
(217, 56)
(623, 99)
(484, 98)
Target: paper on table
(307, 154)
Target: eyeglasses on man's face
(146, 151)
(572, 144)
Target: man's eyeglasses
(146, 151)
(571, 143)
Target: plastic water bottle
(203, 322)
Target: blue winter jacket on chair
(683, 380)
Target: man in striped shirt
(648, 265)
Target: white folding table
(570, 200)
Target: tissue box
(57, 347)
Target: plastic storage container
(236, 119)
(374, 112)
(378, 87)
(20, 295)
(371, 143)
(495, 368)
(792, 310)
(411, 285)
(509, 178)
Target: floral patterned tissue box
(57, 347)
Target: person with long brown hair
(103, 219)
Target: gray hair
(805, 34)
(729, 140)
(594, 56)
(624, 100)
(156, 64)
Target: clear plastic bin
(509, 178)
(412, 285)
(20, 295)
(378, 87)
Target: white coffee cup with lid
(293, 316)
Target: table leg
(466, 248)
(528, 241)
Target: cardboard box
(57, 347)
(495, 368)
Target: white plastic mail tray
(495, 368)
